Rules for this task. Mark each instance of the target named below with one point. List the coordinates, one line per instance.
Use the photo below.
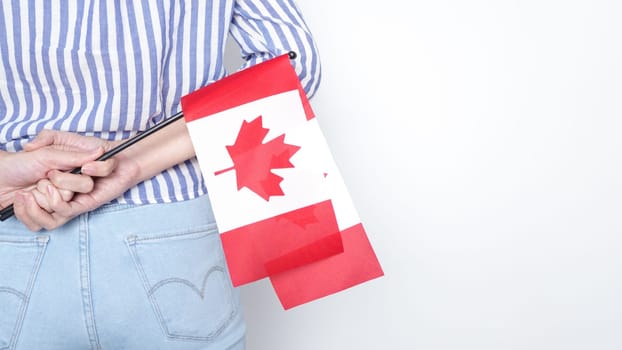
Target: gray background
(480, 141)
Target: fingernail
(50, 190)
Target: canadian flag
(279, 201)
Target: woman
(127, 255)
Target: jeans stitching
(200, 292)
(24, 240)
(131, 244)
(143, 278)
(199, 231)
(41, 245)
(13, 291)
(85, 281)
(110, 208)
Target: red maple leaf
(254, 160)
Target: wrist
(131, 168)
(5, 166)
(161, 151)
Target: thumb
(66, 160)
(44, 138)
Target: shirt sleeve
(268, 28)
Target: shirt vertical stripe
(112, 68)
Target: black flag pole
(7, 212)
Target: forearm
(159, 151)
(5, 199)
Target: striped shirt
(114, 68)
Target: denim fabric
(121, 277)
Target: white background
(480, 141)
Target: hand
(142, 161)
(22, 170)
(63, 196)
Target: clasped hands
(45, 195)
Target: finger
(71, 182)
(51, 198)
(65, 140)
(65, 195)
(58, 205)
(21, 212)
(100, 168)
(44, 138)
(41, 197)
(38, 217)
(66, 160)
(63, 160)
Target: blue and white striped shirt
(113, 68)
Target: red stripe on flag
(321, 249)
(357, 264)
(262, 80)
(280, 242)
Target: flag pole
(7, 212)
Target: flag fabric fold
(279, 201)
(355, 265)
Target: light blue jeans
(121, 277)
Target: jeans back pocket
(20, 258)
(186, 281)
